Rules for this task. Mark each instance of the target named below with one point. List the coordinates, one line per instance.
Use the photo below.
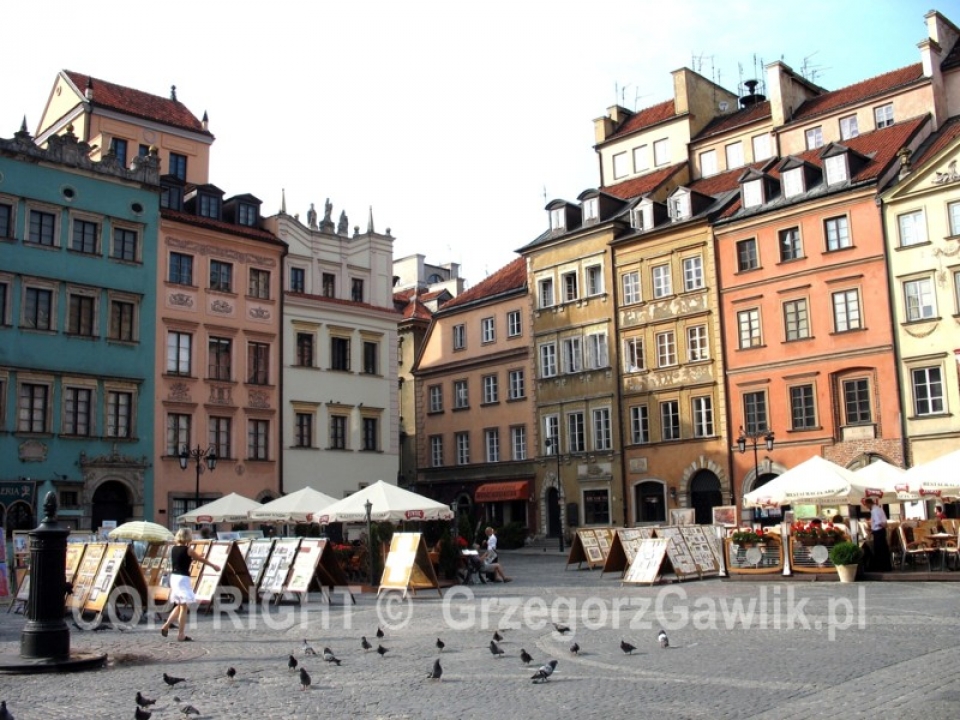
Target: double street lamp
(553, 447)
(198, 455)
(755, 437)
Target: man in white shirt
(878, 526)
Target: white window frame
(836, 231)
(558, 219)
(570, 282)
(919, 299)
(630, 283)
(835, 169)
(662, 280)
(708, 163)
(761, 147)
(463, 447)
(597, 355)
(666, 348)
(435, 393)
(545, 294)
(814, 137)
(641, 158)
(488, 330)
(749, 329)
(953, 217)
(591, 209)
(491, 443)
(702, 411)
(752, 192)
(594, 274)
(693, 273)
(461, 394)
(459, 336)
(551, 431)
(518, 442)
(640, 424)
(912, 228)
(847, 310)
(571, 358)
(633, 360)
(514, 324)
(734, 155)
(576, 432)
(620, 166)
(491, 389)
(698, 346)
(436, 451)
(796, 319)
(928, 391)
(602, 430)
(661, 152)
(883, 115)
(548, 360)
(670, 424)
(516, 384)
(792, 182)
(849, 127)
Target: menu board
(275, 576)
(677, 551)
(305, 565)
(648, 562)
(74, 554)
(210, 578)
(699, 547)
(106, 575)
(257, 554)
(86, 574)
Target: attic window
(792, 182)
(247, 214)
(836, 169)
(558, 220)
(753, 193)
(591, 209)
(679, 206)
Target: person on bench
(490, 559)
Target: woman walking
(181, 589)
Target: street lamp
(368, 506)
(553, 446)
(198, 455)
(755, 437)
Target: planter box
(766, 560)
(802, 559)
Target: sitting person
(490, 559)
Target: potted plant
(846, 556)
(817, 533)
(747, 537)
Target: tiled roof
(137, 103)
(412, 309)
(645, 118)
(512, 276)
(722, 183)
(340, 301)
(219, 225)
(858, 92)
(744, 116)
(634, 187)
(935, 143)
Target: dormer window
(836, 169)
(208, 206)
(753, 193)
(792, 182)
(558, 219)
(247, 214)
(679, 206)
(641, 217)
(171, 193)
(591, 209)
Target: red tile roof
(744, 116)
(645, 118)
(722, 183)
(933, 145)
(858, 92)
(512, 276)
(137, 103)
(634, 187)
(219, 225)
(339, 301)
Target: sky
(455, 122)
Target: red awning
(502, 491)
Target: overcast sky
(452, 120)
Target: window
(692, 273)
(371, 434)
(4, 305)
(546, 292)
(576, 442)
(462, 440)
(517, 388)
(953, 210)
(340, 353)
(491, 389)
(247, 214)
(913, 230)
(594, 280)
(661, 152)
(856, 401)
(591, 209)
(171, 195)
(927, 391)
(551, 434)
(597, 351)
(491, 441)
(752, 193)
(708, 163)
(371, 354)
(666, 349)
(919, 299)
(678, 206)
(42, 228)
(570, 289)
(6, 220)
(518, 442)
(38, 308)
(118, 146)
(734, 155)
(747, 255)
(328, 285)
(85, 235)
(548, 360)
(558, 219)
(257, 439)
(459, 337)
(620, 167)
(125, 244)
(77, 411)
(305, 349)
(221, 276)
(848, 127)
(703, 416)
(641, 217)
(596, 507)
(662, 283)
(883, 115)
(181, 269)
(178, 165)
(835, 168)
(641, 159)
(837, 231)
(219, 436)
(639, 425)
(487, 330)
(81, 317)
(633, 354)
(814, 137)
(119, 413)
(697, 346)
(436, 451)
(572, 360)
(32, 408)
(178, 433)
(338, 432)
(761, 147)
(356, 290)
(748, 325)
(461, 397)
(258, 363)
(802, 416)
(602, 434)
(792, 182)
(755, 412)
(796, 319)
(178, 353)
(297, 280)
(260, 284)
(670, 420)
(790, 247)
(514, 327)
(220, 358)
(846, 311)
(435, 394)
(208, 206)
(631, 287)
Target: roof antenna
(173, 93)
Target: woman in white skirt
(181, 587)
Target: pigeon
(497, 636)
(142, 700)
(662, 639)
(544, 672)
(328, 656)
(292, 662)
(171, 680)
(189, 710)
(440, 645)
(139, 714)
(627, 647)
(437, 670)
(307, 650)
(364, 644)
(231, 672)
(575, 648)
(525, 657)
(496, 650)
(381, 650)
(379, 633)
(561, 628)
(7, 715)
(304, 679)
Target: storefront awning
(502, 491)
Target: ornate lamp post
(368, 506)
(198, 455)
(553, 447)
(755, 437)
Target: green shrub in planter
(845, 553)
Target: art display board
(678, 552)
(590, 545)
(118, 566)
(155, 563)
(23, 586)
(408, 566)
(649, 564)
(699, 546)
(233, 572)
(274, 577)
(315, 568)
(86, 574)
(74, 555)
(257, 555)
(623, 549)
(201, 547)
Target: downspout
(624, 498)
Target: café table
(939, 541)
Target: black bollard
(46, 634)
(561, 540)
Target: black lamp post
(198, 455)
(368, 506)
(553, 446)
(755, 437)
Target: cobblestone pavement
(738, 650)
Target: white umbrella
(141, 530)
(816, 480)
(299, 506)
(389, 502)
(887, 480)
(935, 478)
(229, 508)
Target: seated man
(490, 559)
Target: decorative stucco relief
(219, 251)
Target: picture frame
(683, 516)
(725, 515)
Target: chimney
(88, 91)
(173, 93)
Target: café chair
(913, 548)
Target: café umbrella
(229, 508)
(388, 503)
(297, 507)
(935, 478)
(816, 480)
(141, 530)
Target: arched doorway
(705, 494)
(19, 517)
(650, 502)
(554, 524)
(111, 501)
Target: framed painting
(725, 515)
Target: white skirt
(181, 590)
